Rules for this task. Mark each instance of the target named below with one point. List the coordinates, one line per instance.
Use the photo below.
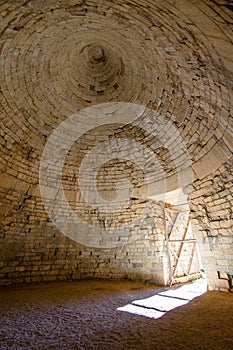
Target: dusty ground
(84, 315)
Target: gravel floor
(84, 315)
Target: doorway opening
(182, 262)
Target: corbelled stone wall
(59, 57)
(40, 253)
(212, 204)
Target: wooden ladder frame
(169, 229)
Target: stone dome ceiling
(58, 57)
(103, 102)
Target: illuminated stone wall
(38, 252)
(212, 203)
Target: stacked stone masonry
(212, 203)
(59, 57)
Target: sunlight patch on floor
(157, 305)
(141, 311)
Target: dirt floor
(84, 315)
